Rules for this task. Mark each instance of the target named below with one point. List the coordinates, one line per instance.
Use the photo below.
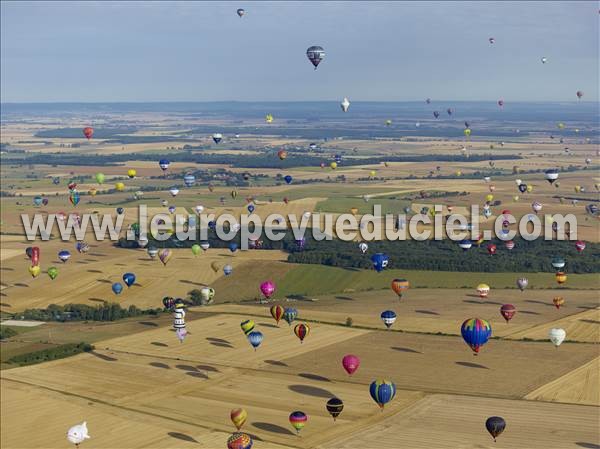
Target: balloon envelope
(350, 363)
(495, 425)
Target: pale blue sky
(154, 51)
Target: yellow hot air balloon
(238, 417)
(354, 210)
(577, 189)
(560, 125)
(247, 326)
(373, 173)
(269, 118)
(458, 173)
(92, 191)
(467, 132)
(489, 198)
(34, 271)
(483, 290)
(516, 198)
(131, 173)
(233, 194)
(529, 188)
(333, 165)
(215, 267)
(119, 186)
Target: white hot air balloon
(78, 434)
(557, 336)
(174, 191)
(363, 247)
(345, 104)
(199, 209)
(544, 60)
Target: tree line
(84, 312)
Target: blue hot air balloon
(233, 247)
(56, 180)
(380, 261)
(465, 244)
(37, 201)
(287, 179)
(338, 158)
(189, 180)
(120, 210)
(212, 225)
(250, 208)
(255, 338)
(382, 391)
(129, 279)
(476, 332)
(117, 288)
(164, 164)
(64, 255)
(388, 317)
(289, 315)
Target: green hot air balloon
(100, 178)
(196, 249)
(52, 272)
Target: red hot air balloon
(508, 311)
(350, 363)
(509, 244)
(277, 313)
(35, 256)
(579, 246)
(88, 132)
(492, 249)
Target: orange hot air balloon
(238, 417)
(561, 277)
(400, 286)
(282, 154)
(354, 210)
(88, 132)
(558, 301)
(277, 313)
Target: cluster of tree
(6, 332)
(84, 312)
(54, 353)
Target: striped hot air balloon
(301, 330)
(247, 326)
(382, 391)
(238, 417)
(277, 313)
(298, 419)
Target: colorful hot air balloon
(557, 336)
(277, 313)
(88, 132)
(483, 290)
(238, 417)
(522, 283)
(267, 288)
(465, 244)
(298, 420)
(400, 286)
(74, 197)
(255, 338)
(164, 164)
(334, 406)
(165, 255)
(558, 301)
(289, 315)
(350, 363)
(301, 330)
(239, 440)
(508, 311)
(561, 277)
(35, 256)
(380, 261)
(388, 317)
(382, 391)
(491, 248)
(579, 246)
(315, 55)
(247, 326)
(129, 279)
(168, 302)
(476, 332)
(495, 425)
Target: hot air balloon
(267, 288)
(558, 301)
(465, 244)
(35, 256)
(64, 255)
(536, 206)
(501, 103)
(195, 249)
(557, 336)
(239, 440)
(508, 311)
(120, 210)
(558, 262)
(334, 406)
(227, 270)
(207, 294)
(217, 137)
(301, 330)
(315, 55)
(436, 114)
(561, 277)
(131, 173)
(255, 338)
(52, 272)
(579, 246)
(117, 288)
(350, 363)
(476, 332)
(34, 270)
(400, 286)
(544, 60)
(483, 290)
(74, 197)
(164, 164)
(491, 248)
(173, 191)
(277, 313)
(247, 326)
(289, 315)
(509, 244)
(189, 180)
(241, 12)
(238, 417)
(579, 94)
(88, 132)
(298, 420)
(495, 425)
(382, 391)
(82, 247)
(287, 179)
(388, 317)
(129, 279)
(467, 132)
(551, 175)
(152, 252)
(333, 165)
(492, 40)
(522, 283)
(204, 245)
(168, 302)
(380, 261)
(345, 104)
(165, 255)
(363, 247)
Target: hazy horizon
(135, 52)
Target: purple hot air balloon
(267, 288)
